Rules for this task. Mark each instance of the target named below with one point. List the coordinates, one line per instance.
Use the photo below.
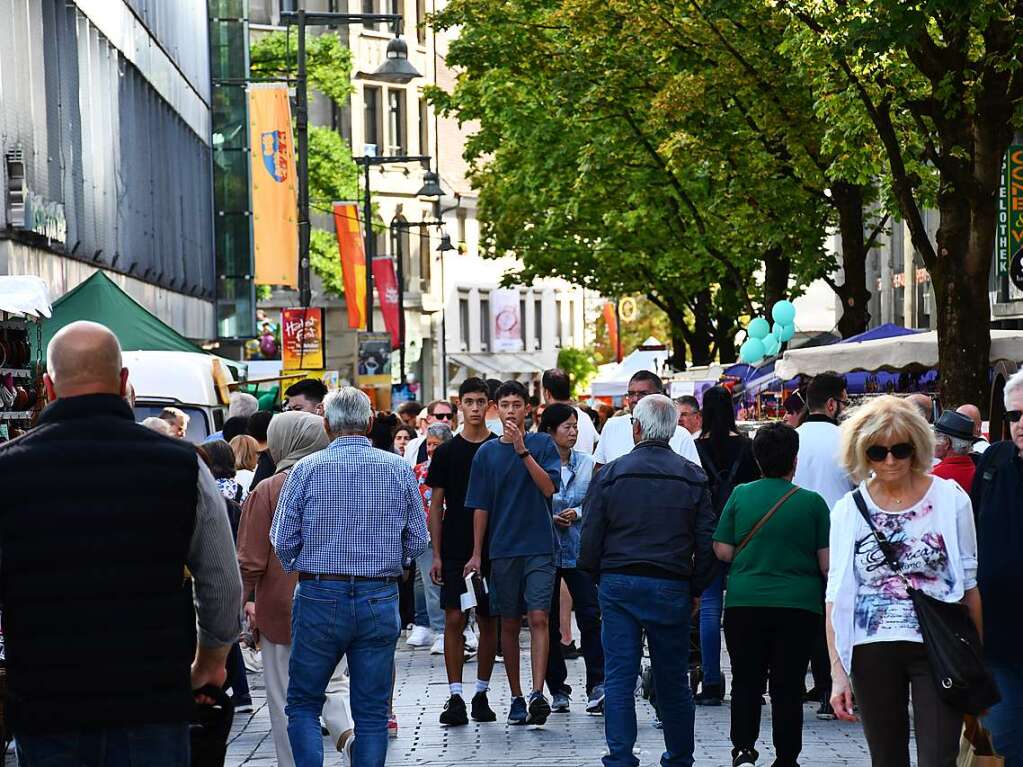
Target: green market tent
(100, 299)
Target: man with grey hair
(997, 489)
(117, 545)
(349, 520)
(953, 441)
(648, 525)
(241, 405)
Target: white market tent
(24, 294)
(901, 352)
(613, 380)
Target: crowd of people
(320, 534)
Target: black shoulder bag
(952, 642)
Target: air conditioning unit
(369, 150)
(16, 188)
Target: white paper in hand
(468, 599)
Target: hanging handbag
(952, 642)
(975, 747)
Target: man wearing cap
(953, 442)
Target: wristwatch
(524, 454)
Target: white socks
(482, 686)
(456, 688)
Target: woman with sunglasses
(873, 634)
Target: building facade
(105, 145)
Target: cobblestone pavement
(568, 740)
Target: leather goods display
(952, 642)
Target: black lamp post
(395, 69)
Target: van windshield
(197, 428)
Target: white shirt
(587, 440)
(616, 440)
(412, 450)
(819, 468)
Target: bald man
(973, 413)
(924, 403)
(100, 549)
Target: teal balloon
(776, 330)
(771, 346)
(751, 351)
(759, 328)
(787, 331)
(784, 312)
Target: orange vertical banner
(611, 322)
(353, 261)
(272, 174)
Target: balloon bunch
(763, 340)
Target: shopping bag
(210, 728)
(975, 748)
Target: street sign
(1009, 230)
(1016, 269)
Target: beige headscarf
(293, 435)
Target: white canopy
(613, 380)
(24, 294)
(914, 351)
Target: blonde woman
(246, 456)
(873, 635)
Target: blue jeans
(427, 595)
(1005, 721)
(149, 745)
(630, 605)
(711, 601)
(330, 620)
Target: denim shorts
(521, 584)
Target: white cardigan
(953, 519)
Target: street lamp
(395, 69)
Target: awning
(503, 364)
(24, 295)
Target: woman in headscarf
(291, 437)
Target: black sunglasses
(443, 416)
(1012, 416)
(900, 452)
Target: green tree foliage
(333, 174)
(579, 365)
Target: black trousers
(769, 644)
(587, 615)
(883, 675)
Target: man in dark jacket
(98, 559)
(647, 534)
(997, 488)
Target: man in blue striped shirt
(349, 519)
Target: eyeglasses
(444, 416)
(900, 452)
(843, 402)
(1013, 416)
(637, 394)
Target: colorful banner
(272, 174)
(302, 339)
(1009, 232)
(353, 261)
(611, 321)
(387, 296)
(373, 367)
(506, 334)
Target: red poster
(387, 295)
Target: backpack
(721, 483)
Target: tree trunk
(702, 337)
(777, 267)
(679, 333)
(724, 335)
(853, 291)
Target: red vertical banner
(387, 296)
(611, 321)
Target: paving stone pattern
(568, 740)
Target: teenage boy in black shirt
(451, 533)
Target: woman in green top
(773, 602)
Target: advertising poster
(507, 320)
(302, 339)
(373, 366)
(272, 175)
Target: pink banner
(387, 295)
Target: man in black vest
(100, 518)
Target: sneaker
(826, 713)
(438, 646)
(744, 756)
(481, 710)
(392, 726)
(569, 651)
(539, 709)
(421, 636)
(454, 712)
(595, 700)
(242, 705)
(517, 713)
(472, 642)
(710, 695)
(560, 702)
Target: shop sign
(1009, 231)
(302, 339)
(373, 366)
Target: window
(485, 323)
(373, 118)
(421, 21)
(537, 322)
(522, 322)
(559, 324)
(424, 127)
(396, 121)
(463, 322)
(369, 6)
(425, 256)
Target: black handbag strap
(882, 540)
